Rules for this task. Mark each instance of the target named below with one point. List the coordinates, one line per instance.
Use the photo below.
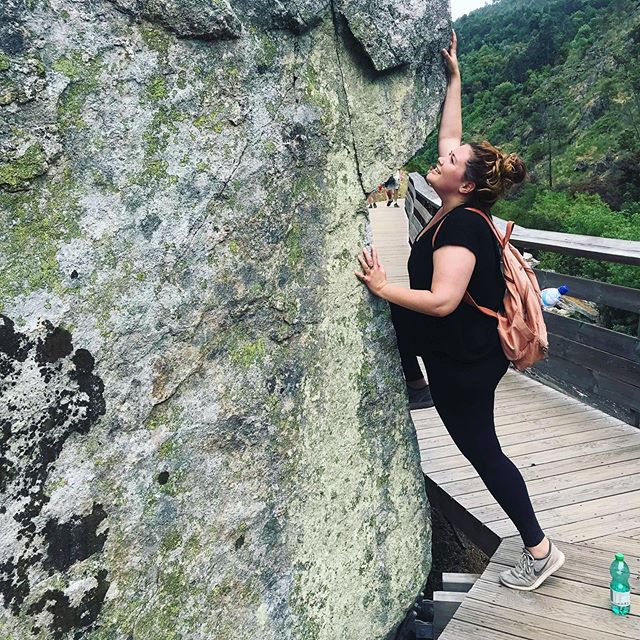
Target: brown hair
(493, 172)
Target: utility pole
(549, 159)
(550, 168)
(555, 130)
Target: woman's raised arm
(450, 134)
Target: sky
(460, 7)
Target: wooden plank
(551, 608)
(548, 450)
(479, 620)
(577, 598)
(511, 396)
(616, 522)
(431, 418)
(528, 430)
(567, 426)
(513, 377)
(459, 581)
(596, 360)
(595, 386)
(537, 397)
(517, 397)
(530, 403)
(460, 480)
(439, 436)
(422, 215)
(443, 445)
(573, 244)
(582, 521)
(552, 416)
(523, 383)
(612, 295)
(565, 590)
(570, 496)
(424, 192)
(559, 483)
(553, 470)
(593, 336)
(521, 412)
(523, 422)
(613, 543)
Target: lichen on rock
(188, 18)
(194, 441)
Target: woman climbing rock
(460, 347)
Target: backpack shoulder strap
(487, 312)
(502, 240)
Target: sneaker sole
(541, 578)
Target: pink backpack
(521, 327)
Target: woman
(460, 347)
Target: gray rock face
(393, 31)
(203, 433)
(219, 19)
(187, 17)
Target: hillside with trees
(558, 81)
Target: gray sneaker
(530, 573)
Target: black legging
(463, 394)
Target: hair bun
(513, 168)
(492, 171)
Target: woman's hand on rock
(373, 273)
(451, 55)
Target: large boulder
(203, 431)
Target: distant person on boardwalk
(459, 345)
(371, 198)
(392, 186)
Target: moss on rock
(17, 174)
(41, 219)
(5, 62)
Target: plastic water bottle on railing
(550, 297)
(620, 589)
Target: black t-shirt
(466, 334)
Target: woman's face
(447, 177)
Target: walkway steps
(582, 469)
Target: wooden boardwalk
(582, 469)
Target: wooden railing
(597, 365)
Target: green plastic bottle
(620, 589)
